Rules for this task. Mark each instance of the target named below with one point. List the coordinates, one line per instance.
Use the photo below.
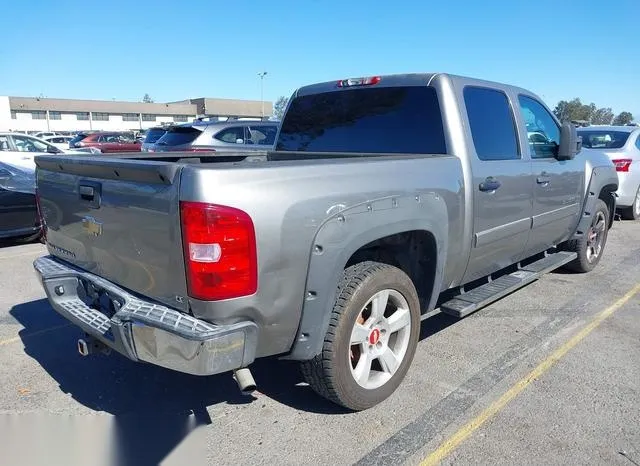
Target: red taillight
(622, 165)
(220, 251)
(359, 81)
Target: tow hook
(89, 345)
(245, 381)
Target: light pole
(262, 75)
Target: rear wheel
(371, 340)
(633, 212)
(590, 246)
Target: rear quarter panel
(341, 203)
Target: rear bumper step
(144, 330)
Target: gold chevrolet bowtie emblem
(92, 226)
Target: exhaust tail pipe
(83, 347)
(89, 345)
(245, 381)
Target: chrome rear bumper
(144, 330)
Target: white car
(45, 134)
(19, 150)
(61, 142)
(622, 145)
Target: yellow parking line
(34, 334)
(465, 431)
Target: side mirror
(53, 150)
(570, 142)
(239, 141)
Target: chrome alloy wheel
(379, 339)
(595, 238)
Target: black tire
(329, 373)
(632, 212)
(586, 262)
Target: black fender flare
(341, 236)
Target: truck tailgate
(118, 219)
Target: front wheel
(590, 246)
(371, 340)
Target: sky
(559, 49)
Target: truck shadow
(153, 407)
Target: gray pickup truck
(384, 199)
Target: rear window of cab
(382, 120)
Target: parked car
(622, 145)
(44, 134)
(19, 217)
(106, 141)
(384, 197)
(61, 142)
(151, 137)
(225, 136)
(20, 149)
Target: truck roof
(408, 79)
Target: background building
(45, 114)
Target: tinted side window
(374, 120)
(262, 135)
(638, 141)
(4, 144)
(231, 135)
(492, 125)
(542, 130)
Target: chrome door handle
(543, 179)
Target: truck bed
(132, 235)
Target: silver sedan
(622, 145)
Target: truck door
(502, 189)
(557, 184)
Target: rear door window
(262, 135)
(492, 125)
(231, 135)
(27, 144)
(391, 120)
(4, 144)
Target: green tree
(147, 99)
(623, 118)
(602, 116)
(574, 110)
(279, 107)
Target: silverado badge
(92, 226)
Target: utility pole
(262, 75)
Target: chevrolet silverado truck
(385, 198)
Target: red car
(106, 141)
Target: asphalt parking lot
(548, 375)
